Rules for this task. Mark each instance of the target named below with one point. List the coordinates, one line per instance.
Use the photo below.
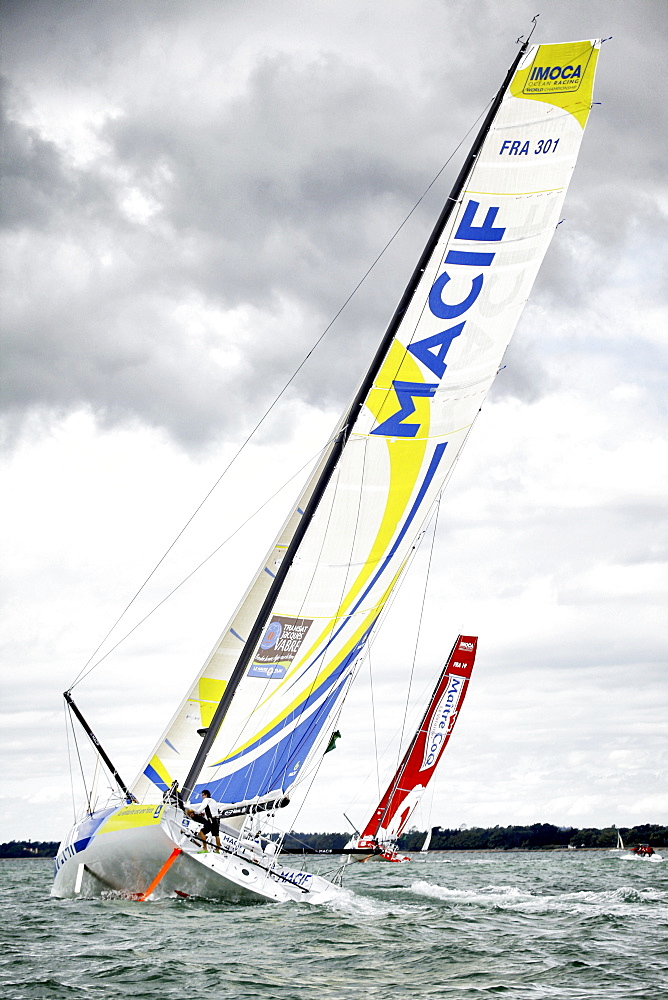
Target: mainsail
(426, 748)
(262, 706)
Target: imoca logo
(556, 73)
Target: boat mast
(339, 443)
(98, 746)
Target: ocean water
(527, 926)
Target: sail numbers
(515, 147)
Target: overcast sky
(191, 192)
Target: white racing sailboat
(619, 846)
(421, 759)
(253, 726)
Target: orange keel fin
(161, 874)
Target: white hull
(148, 853)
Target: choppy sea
(564, 926)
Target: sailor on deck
(208, 814)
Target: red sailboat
(421, 758)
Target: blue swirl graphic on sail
(271, 770)
(277, 768)
(417, 503)
(279, 765)
(310, 700)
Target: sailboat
(421, 759)
(619, 846)
(255, 723)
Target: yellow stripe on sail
(561, 75)
(209, 691)
(322, 675)
(160, 769)
(514, 194)
(406, 458)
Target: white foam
(640, 857)
(488, 894)
(611, 901)
(347, 901)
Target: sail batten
(286, 658)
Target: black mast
(98, 746)
(339, 443)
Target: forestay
(443, 354)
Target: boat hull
(377, 852)
(641, 857)
(151, 853)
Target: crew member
(208, 816)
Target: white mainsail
(619, 846)
(393, 453)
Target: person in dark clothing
(208, 815)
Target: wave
(656, 858)
(611, 902)
(356, 905)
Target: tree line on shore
(538, 836)
(29, 849)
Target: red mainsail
(421, 759)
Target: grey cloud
(280, 194)
(32, 176)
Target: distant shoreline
(451, 850)
(543, 837)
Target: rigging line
(373, 723)
(354, 670)
(83, 673)
(382, 618)
(424, 599)
(94, 795)
(83, 777)
(295, 838)
(316, 765)
(433, 513)
(281, 393)
(417, 642)
(336, 618)
(427, 688)
(290, 747)
(313, 761)
(69, 760)
(245, 724)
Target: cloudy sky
(191, 193)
